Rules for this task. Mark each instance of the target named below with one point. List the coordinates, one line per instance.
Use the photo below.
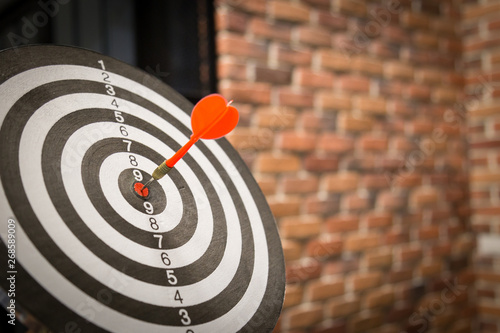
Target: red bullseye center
(138, 188)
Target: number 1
(102, 64)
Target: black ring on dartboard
(225, 300)
(93, 159)
(31, 57)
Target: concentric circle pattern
(200, 254)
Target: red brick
(324, 247)
(371, 142)
(330, 59)
(417, 92)
(421, 126)
(319, 163)
(394, 34)
(443, 25)
(342, 223)
(428, 76)
(329, 101)
(271, 75)
(402, 274)
(354, 124)
(267, 162)
(359, 242)
(332, 21)
(383, 50)
(275, 117)
(444, 95)
(371, 105)
(288, 11)
(380, 297)
(342, 307)
(367, 65)
(342, 182)
(291, 250)
(396, 236)
(336, 143)
(441, 250)
(350, 7)
(295, 98)
(411, 253)
(391, 88)
(304, 316)
(300, 227)
(261, 28)
(254, 7)
(231, 69)
(321, 206)
(375, 181)
(303, 271)
(430, 268)
(388, 200)
(297, 141)
(374, 220)
(250, 138)
(314, 36)
(297, 56)
(481, 44)
(231, 21)
(398, 70)
(414, 20)
(355, 202)
(379, 259)
(324, 289)
(425, 40)
(267, 184)
(363, 281)
(428, 232)
(424, 196)
(353, 83)
(236, 45)
(306, 184)
(288, 207)
(308, 78)
(293, 295)
(247, 92)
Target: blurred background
(372, 127)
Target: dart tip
(141, 190)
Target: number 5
(172, 279)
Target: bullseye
(141, 191)
(80, 134)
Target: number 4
(178, 296)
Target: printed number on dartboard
(148, 206)
(120, 119)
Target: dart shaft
(181, 152)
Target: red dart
(212, 118)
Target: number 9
(149, 207)
(137, 175)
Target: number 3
(185, 317)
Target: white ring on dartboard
(242, 188)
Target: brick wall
(353, 123)
(481, 29)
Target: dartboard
(85, 253)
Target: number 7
(160, 238)
(129, 143)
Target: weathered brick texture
(358, 118)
